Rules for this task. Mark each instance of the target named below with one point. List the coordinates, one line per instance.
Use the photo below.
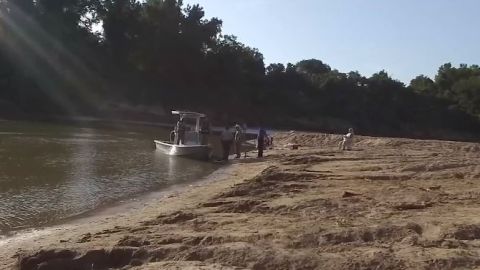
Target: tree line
(71, 57)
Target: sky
(406, 38)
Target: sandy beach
(387, 204)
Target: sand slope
(389, 204)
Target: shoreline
(166, 122)
(388, 204)
(116, 207)
(103, 217)
(103, 206)
(125, 205)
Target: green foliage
(467, 94)
(423, 85)
(272, 69)
(448, 75)
(160, 52)
(312, 67)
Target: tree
(312, 67)
(277, 68)
(448, 75)
(424, 85)
(381, 80)
(121, 27)
(160, 52)
(356, 77)
(467, 92)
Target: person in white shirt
(227, 139)
(347, 142)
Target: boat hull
(190, 151)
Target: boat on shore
(192, 147)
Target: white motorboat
(192, 147)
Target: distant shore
(147, 118)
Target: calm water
(51, 172)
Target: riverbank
(389, 204)
(112, 221)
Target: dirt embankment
(388, 204)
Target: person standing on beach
(347, 140)
(204, 131)
(238, 139)
(227, 139)
(261, 141)
(244, 129)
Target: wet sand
(388, 204)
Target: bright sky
(404, 37)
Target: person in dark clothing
(180, 130)
(261, 141)
(227, 139)
(244, 129)
(204, 131)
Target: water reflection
(50, 173)
(82, 166)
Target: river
(51, 172)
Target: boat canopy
(192, 115)
(187, 114)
